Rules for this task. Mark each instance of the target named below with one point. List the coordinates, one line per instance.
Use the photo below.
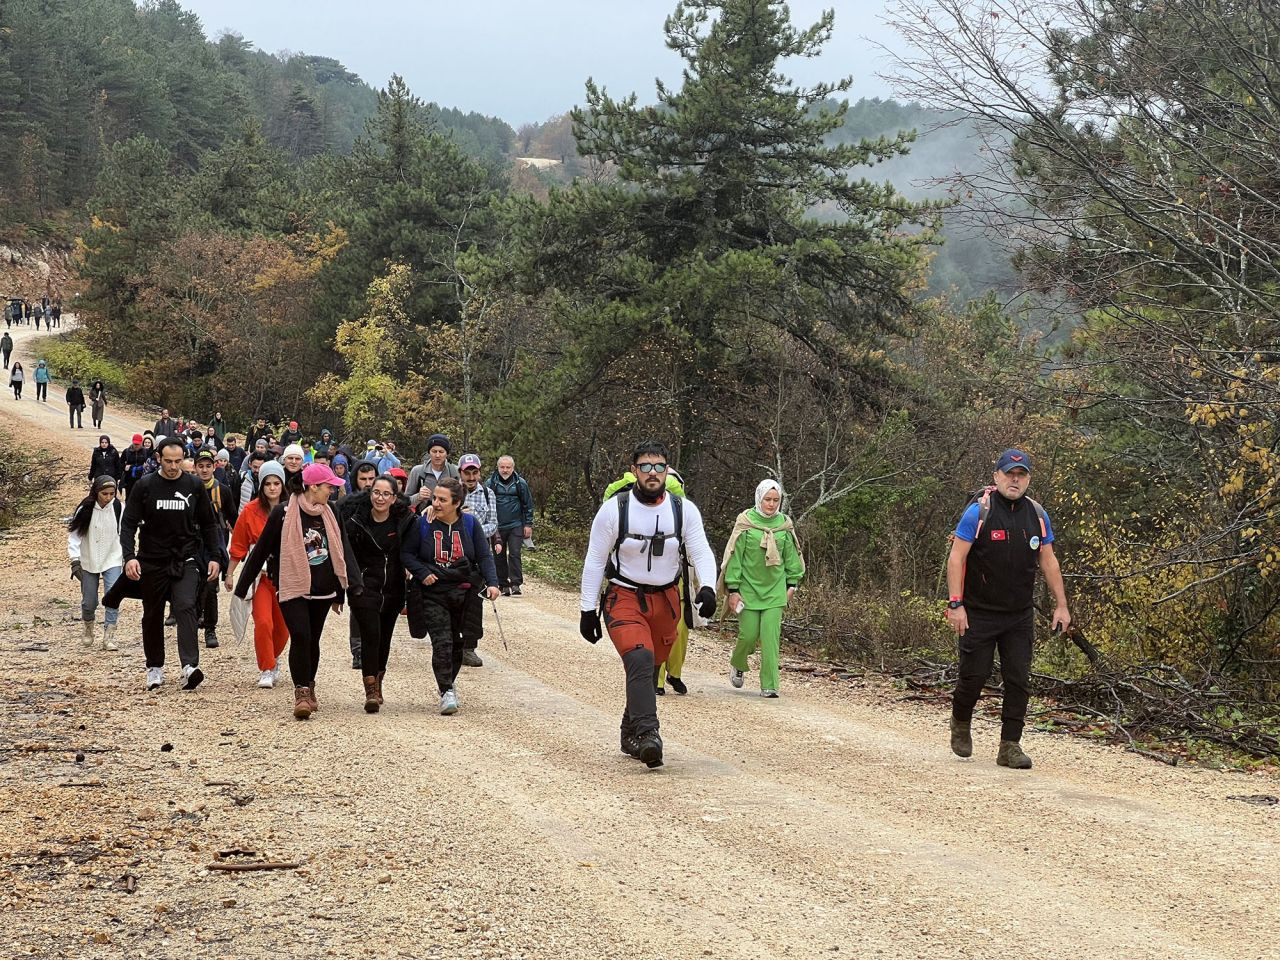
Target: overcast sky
(522, 60)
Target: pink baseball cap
(314, 473)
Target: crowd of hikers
(18, 311)
(298, 528)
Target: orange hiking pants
(269, 632)
(648, 620)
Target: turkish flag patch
(998, 534)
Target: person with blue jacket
(43, 376)
(515, 523)
(448, 556)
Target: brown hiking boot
(301, 703)
(371, 695)
(961, 741)
(311, 695)
(1011, 756)
(381, 674)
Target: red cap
(398, 473)
(293, 424)
(137, 438)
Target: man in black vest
(1002, 539)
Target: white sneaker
(109, 637)
(449, 703)
(769, 694)
(735, 676)
(155, 677)
(267, 679)
(192, 677)
(89, 630)
(275, 674)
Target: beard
(644, 495)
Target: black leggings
(17, 389)
(376, 625)
(42, 391)
(305, 620)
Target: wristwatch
(954, 604)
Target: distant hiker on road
(270, 635)
(175, 517)
(105, 461)
(365, 474)
(133, 462)
(308, 556)
(93, 547)
(42, 379)
(1002, 539)
(6, 348)
(448, 555)
(639, 540)
(75, 404)
(166, 426)
(17, 377)
(762, 567)
(515, 523)
(98, 402)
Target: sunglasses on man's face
(651, 467)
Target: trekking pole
(498, 620)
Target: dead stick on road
(256, 865)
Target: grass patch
(558, 556)
(69, 356)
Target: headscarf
(768, 542)
(764, 487)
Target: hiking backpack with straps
(612, 567)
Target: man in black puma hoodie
(178, 523)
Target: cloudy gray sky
(521, 60)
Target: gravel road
(831, 822)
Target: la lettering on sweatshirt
(173, 515)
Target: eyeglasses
(651, 467)
(381, 493)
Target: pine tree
(706, 242)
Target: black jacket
(266, 553)
(382, 571)
(105, 463)
(75, 397)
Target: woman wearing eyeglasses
(376, 527)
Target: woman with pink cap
(309, 558)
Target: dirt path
(832, 822)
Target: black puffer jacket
(105, 463)
(383, 569)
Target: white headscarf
(764, 487)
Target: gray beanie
(270, 468)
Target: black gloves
(75, 569)
(706, 601)
(589, 626)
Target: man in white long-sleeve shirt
(641, 602)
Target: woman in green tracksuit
(761, 569)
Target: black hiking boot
(677, 685)
(1011, 756)
(631, 745)
(961, 741)
(650, 749)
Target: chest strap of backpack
(613, 567)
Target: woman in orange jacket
(270, 635)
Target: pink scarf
(295, 572)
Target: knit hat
(293, 449)
(438, 440)
(270, 469)
(224, 456)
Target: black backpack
(611, 567)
